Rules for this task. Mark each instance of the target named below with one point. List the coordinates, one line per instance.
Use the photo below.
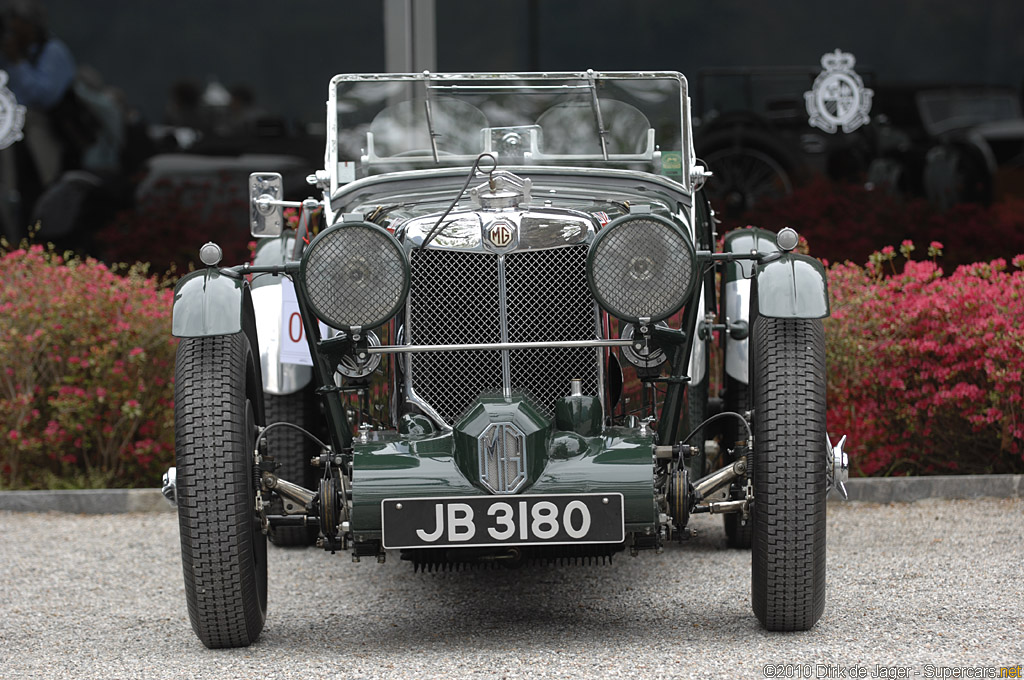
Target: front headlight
(642, 267)
(355, 275)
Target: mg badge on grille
(502, 458)
(501, 233)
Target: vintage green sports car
(487, 344)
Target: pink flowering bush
(925, 369)
(86, 366)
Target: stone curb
(86, 502)
(905, 489)
(867, 490)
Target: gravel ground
(932, 587)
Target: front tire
(697, 413)
(292, 451)
(788, 551)
(738, 534)
(223, 549)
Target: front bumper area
(392, 467)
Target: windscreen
(946, 110)
(393, 122)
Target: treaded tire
(292, 451)
(737, 400)
(697, 413)
(223, 551)
(788, 557)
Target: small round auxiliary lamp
(211, 254)
(787, 239)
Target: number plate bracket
(485, 521)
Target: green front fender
(206, 302)
(792, 287)
(744, 241)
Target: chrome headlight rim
(392, 244)
(689, 284)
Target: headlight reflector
(642, 267)
(355, 274)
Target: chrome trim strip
(599, 323)
(438, 79)
(506, 364)
(278, 378)
(700, 347)
(736, 306)
(526, 237)
(403, 349)
(351, 191)
(412, 398)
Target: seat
(570, 127)
(402, 130)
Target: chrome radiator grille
(455, 298)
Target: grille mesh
(455, 299)
(549, 300)
(355, 276)
(642, 268)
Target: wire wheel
(743, 177)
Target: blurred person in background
(58, 128)
(65, 178)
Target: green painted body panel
(792, 287)
(744, 241)
(488, 410)
(207, 303)
(416, 425)
(581, 414)
(270, 252)
(393, 466)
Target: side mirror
(266, 215)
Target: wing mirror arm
(756, 256)
(266, 206)
(303, 231)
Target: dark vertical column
(410, 42)
(533, 35)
